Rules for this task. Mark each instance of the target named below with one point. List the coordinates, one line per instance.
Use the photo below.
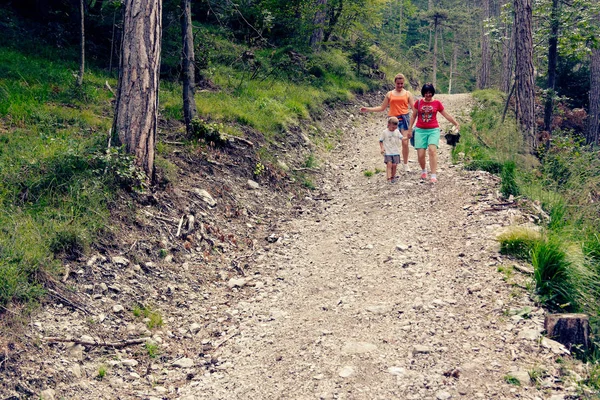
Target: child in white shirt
(389, 143)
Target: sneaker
(433, 180)
(406, 168)
(424, 175)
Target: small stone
(252, 184)
(346, 372)
(529, 334)
(401, 247)
(443, 395)
(117, 308)
(122, 261)
(358, 348)
(129, 363)
(398, 371)
(379, 309)
(47, 394)
(184, 363)
(236, 282)
(195, 328)
(419, 349)
(205, 196)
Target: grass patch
(519, 242)
(368, 173)
(511, 380)
(152, 317)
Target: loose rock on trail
(368, 291)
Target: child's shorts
(391, 159)
(425, 137)
(403, 121)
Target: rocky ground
(357, 289)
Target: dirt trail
(388, 292)
(366, 290)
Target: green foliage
(310, 161)
(511, 380)
(152, 349)
(494, 167)
(368, 173)
(209, 132)
(564, 279)
(101, 372)
(551, 273)
(152, 317)
(509, 185)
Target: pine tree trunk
(434, 72)
(484, 70)
(507, 58)
(552, 61)
(572, 330)
(188, 60)
(593, 123)
(82, 38)
(136, 110)
(524, 79)
(318, 22)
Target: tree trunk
(188, 60)
(136, 110)
(525, 110)
(318, 22)
(82, 38)
(334, 12)
(435, 39)
(452, 66)
(552, 61)
(572, 330)
(486, 60)
(400, 17)
(593, 123)
(507, 58)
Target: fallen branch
(180, 225)
(116, 345)
(109, 88)
(222, 342)
(240, 139)
(67, 301)
(306, 169)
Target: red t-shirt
(427, 113)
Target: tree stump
(572, 330)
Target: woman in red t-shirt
(427, 131)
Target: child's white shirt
(391, 142)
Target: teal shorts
(425, 137)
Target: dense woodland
(268, 65)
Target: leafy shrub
(334, 61)
(209, 132)
(118, 166)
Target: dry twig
(115, 345)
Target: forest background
(267, 68)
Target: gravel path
(386, 292)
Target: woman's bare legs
(432, 150)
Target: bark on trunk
(484, 70)
(593, 123)
(82, 38)
(507, 58)
(524, 72)
(434, 72)
(188, 59)
(136, 110)
(572, 330)
(552, 61)
(318, 22)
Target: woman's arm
(382, 107)
(451, 119)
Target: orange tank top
(398, 104)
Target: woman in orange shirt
(401, 101)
